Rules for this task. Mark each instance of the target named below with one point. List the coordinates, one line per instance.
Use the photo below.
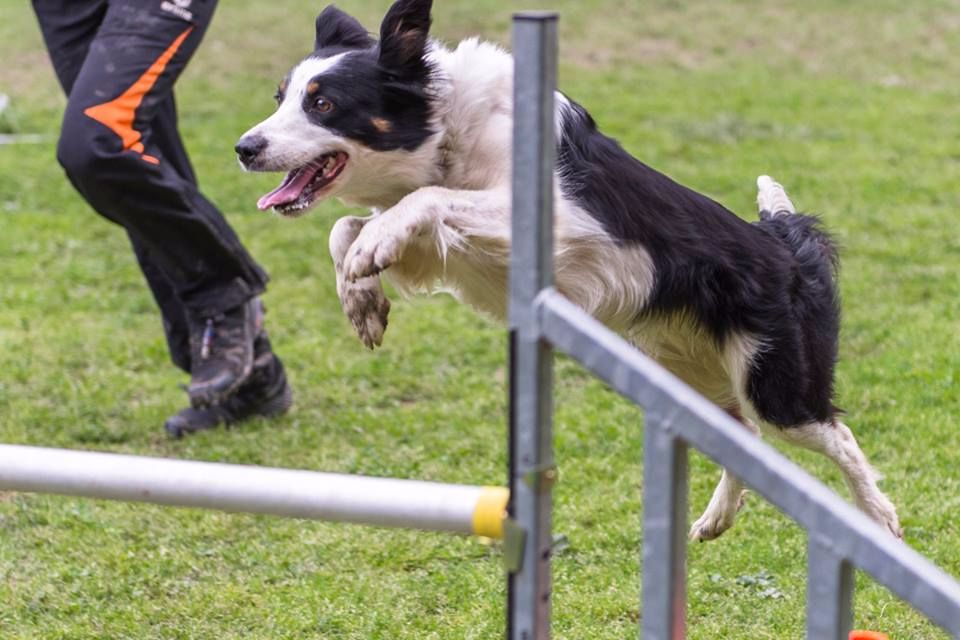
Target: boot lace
(206, 343)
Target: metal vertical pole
(531, 269)
(829, 593)
(664, 531)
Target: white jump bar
(290, 493)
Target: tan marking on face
(312, 88)
(381, 125)
(283, 85)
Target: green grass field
(850, 104)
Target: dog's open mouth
(304, 186)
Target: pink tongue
(289, 190)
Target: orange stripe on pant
(119, 113)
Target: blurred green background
(852, 105)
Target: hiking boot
(265, 393)
(221, 352)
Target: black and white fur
(745, 313)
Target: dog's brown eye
(278, 97)
(322, 105)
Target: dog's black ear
(403, 37)
(337, 29)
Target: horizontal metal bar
(291, 493)
(838, 526)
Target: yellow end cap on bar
(490, 512)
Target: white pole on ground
(291, 493)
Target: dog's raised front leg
(384, 239)
(362, 300)
(428, 224)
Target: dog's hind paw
(882, 511)
(708, 528)
(718, 517)
(367, 309)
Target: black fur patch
(338, 29)
(379, 90)
(364, 94)
(773, 279)
(403, 38)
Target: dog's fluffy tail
(803, 234)
(772, 199)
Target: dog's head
(348, 115)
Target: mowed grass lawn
(855, 106)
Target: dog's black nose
(249, 147)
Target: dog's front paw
(367, 309)
(375, 249)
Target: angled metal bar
(531, 269)
(290, 493)
(829, 592)
(664, 529)
(843, 529)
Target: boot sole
(276, 406)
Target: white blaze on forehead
(292, 140)
(289, 115)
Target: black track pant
(118, 61)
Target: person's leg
(119, 123)
(121, 149)
(176, 327)
(68, 28)
(265, 393)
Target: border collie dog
(747, 314)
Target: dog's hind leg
(772, 199)
(835, 440)
(362, 300)
(727, 498)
